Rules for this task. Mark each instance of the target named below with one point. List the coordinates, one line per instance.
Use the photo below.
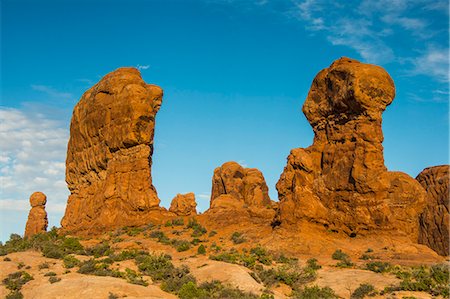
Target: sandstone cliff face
(435, 219)
(37, 218)
(341, 181)
(184, 205)
(109, 155)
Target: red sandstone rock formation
(184, 205)
(341, 181)
(37, 218)
(435, 219)
(239, 193)
(247, 185)
(109, 155)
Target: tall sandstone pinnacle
(435, 219)
(340, 181)
(109, 155)
(37, 218)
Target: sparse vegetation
(315, 292)
(50, 274)
(201, 249)
(53, 279)
(101, 249)
(14, 282)
(237, 238)
(343, 258)
(6, 259)
(362, 291)
(198, 229)
(112, 296)
(378, 267)
(43, 266)
(70, 261)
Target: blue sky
(235, 74)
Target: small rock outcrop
(37, 218)
(341, 181)
(435, 219)
(239, 193)
(184, 205)
(109, 155)
(246, 185)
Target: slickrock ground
(341, 181)
(435, 219)
(109, 155)
(37, 218)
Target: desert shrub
(343, 258)
(6, 259)
(378, 267)
(127, 255)
(70, 261)
(50, 274)
(44, 265)
(112, 296)
(101, 249)
(133, 231)
(212, 233)
(181, 245)
(168, 223)
(215, 289)
(20, 265)
(228, 257)
(201, 249)
(315, 292)
(312, 264)
(433, 280)
(190, 291)
(290, 274)
(95, 267)
(54, 279)
(132, 277)
(14, 295)
(177, 278)
(15, 281)
(261, 255)
(366, 257)
(198, 229)
(362, 291)
(162, 238)
(237, 238)
(178, 222)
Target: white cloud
(52, 92)
(143, 67)
(203, 195)
(33, 151)
(433, 61)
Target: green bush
(190, 291)
(312, 264)
(237, 238)
(16, 280)
(44, 265)
(70, 261)
(177, 278)
(54, 279)
(315, 292)
(14, 295)
(132, 277)
(101, 249)
(162, 238)
(339, 255)
(212, 233)
(290, 274)
(50, 274)
(201, 249)
(261, 255)
(378, 267)
(362, 291)
(198, 229)
(178, 222)
(181, 245)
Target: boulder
(435, 219)
(184, 205)
(109, 154)
(340, 181)
(37, 218)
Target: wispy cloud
(32, 159)
(433, 61)
(50, 91)
(143, 67)
(203, 195)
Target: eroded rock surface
(341, 181)
(109, 155)
(247, 185)
(184, 204)
(37, 218)
(435, 219)
(239, 193)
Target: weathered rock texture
(184, 204)
(435, 219)
(109, 155)
(247, 185)
(37, 218)
(239, 193)
(341, 181)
